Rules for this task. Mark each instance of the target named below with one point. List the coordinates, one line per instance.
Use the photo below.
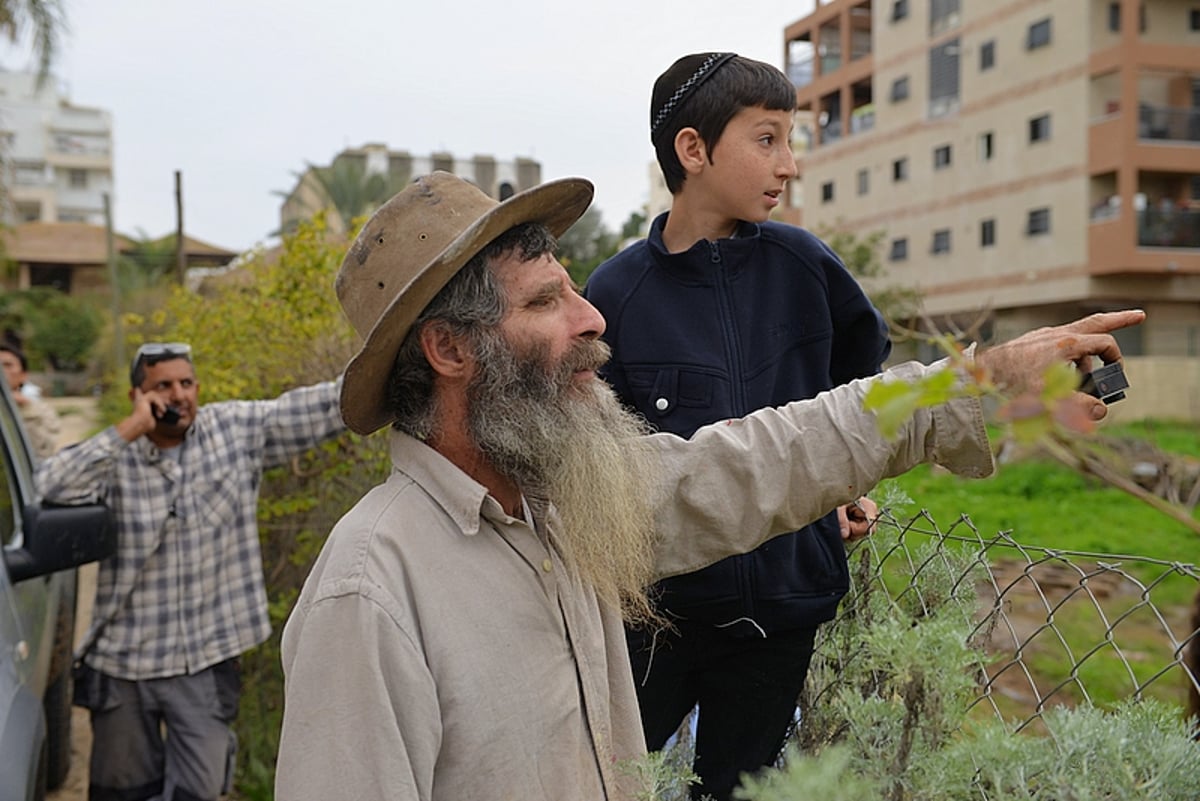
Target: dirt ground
(78, 416)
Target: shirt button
(546, 565)
(661, 404)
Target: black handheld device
(1108, 383)
(169, 415)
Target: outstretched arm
(738, 482)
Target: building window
(1039, 35)
(827, 192)
(987, 146)
(1195, 15)
(899, 10)
(941, 241)
(899, 89)
(943, 78)
(1039, 128)
(987, 55)
(941, 157)
(899, 251)
(900, 170)
(943, 15)
(864, 181)
(1114, 17)
(1039, 222)
(78, 179)
(987, 233)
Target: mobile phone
(169, 415)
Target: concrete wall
(1160, 387)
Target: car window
(10, 492)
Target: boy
(720, 312)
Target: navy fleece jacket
(766, 317)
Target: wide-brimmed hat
(411, 248)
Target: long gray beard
(579, 448)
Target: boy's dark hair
(704, 91)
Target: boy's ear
(690, 150)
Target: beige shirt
(42, 425)
(440, 651)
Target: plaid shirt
(185, 588)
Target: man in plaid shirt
(183, 596)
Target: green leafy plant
(894, 720)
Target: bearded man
(461, 636)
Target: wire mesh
(1050, 627)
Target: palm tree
(45, 21)
(345, 187)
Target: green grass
(1043, 503)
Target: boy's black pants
(746, 690)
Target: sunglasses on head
(156, 352)
(153, 349)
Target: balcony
(800, 72)
(1168, 228)
(1164, 123)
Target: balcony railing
(862, 119)
(1170, 228)
(801, 72)
(831, 131)
(79, 145)
(1174, 124)
(830, 63)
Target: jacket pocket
(678, 399)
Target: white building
(56, 157)
(395, 169)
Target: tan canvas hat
(411, 248)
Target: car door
(22, 626)
(31, 598)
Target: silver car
(42, 546)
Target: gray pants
(167, 739)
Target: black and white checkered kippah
(710, 65)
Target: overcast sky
(240, 94)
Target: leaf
(1059, 381)
(893, 403)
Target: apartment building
(1029, 161)
(56, 157)
(393, 170)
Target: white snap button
(661, 404)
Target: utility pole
(114, 281)
(180, 258)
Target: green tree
(632, 229)
(43, 20)
(147, 263)
(585, 244)
(55, 330)
(348, 188)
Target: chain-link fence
(1050, 628)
